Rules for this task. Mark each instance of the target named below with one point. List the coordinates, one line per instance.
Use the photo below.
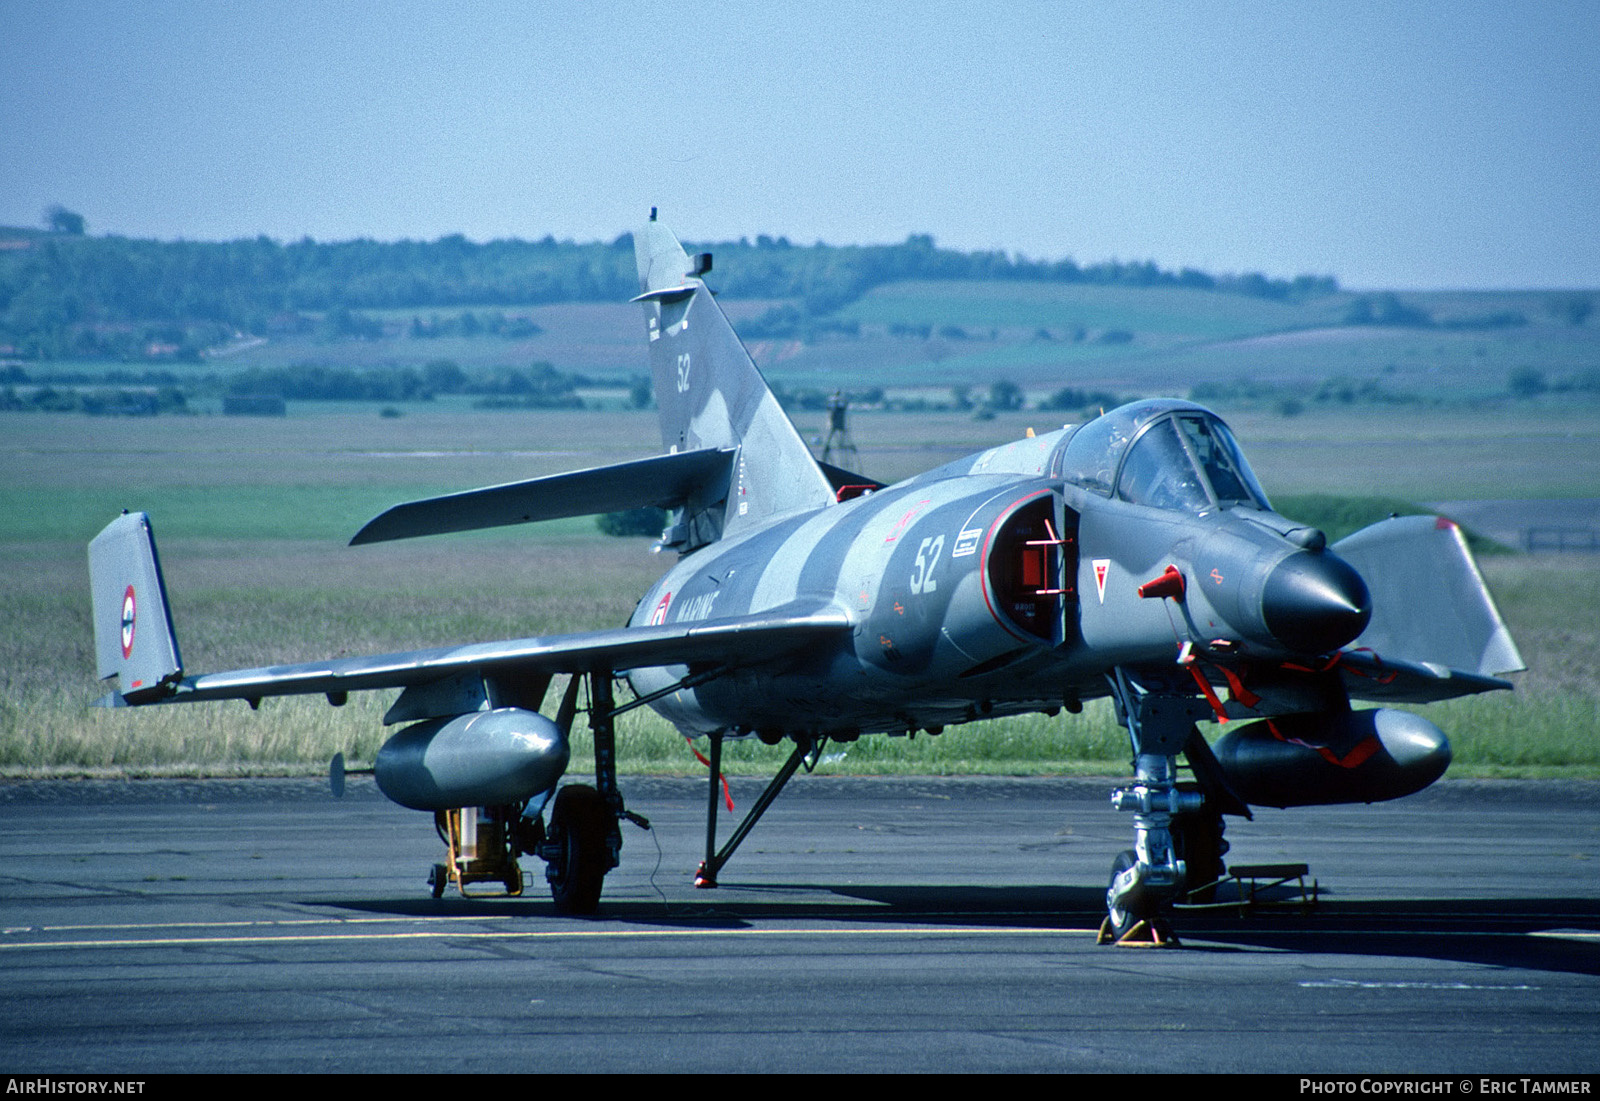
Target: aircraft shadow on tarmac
(1539, 934)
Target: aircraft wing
(1429, 602)
(735, 641)
(1435, 631)
(135, 642)
(1368, 675)
(662, 481)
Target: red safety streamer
(727, 796)
(1354, 759)
(1237, 689)
(1207, 691)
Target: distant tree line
(67, 294)
(1001, 396)
(635, 521)
(1388, 309)
(126, 392)
(1292, 399)
(97, 401)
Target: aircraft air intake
(1025, 568)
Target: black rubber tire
(1122, 921)
(579, 824)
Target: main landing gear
(583, 840)
(581, 844)
(1132, 921)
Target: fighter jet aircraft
(1134, 556)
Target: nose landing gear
(1147, 879)
(1132, 921)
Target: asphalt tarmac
(866, 925)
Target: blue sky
(1401, 145)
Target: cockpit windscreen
(1165, 454)
(1219, 457)
(1159, 473)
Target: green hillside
(122, 326)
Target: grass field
(253, 514)
(1023, 308)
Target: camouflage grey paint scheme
(1132, 556)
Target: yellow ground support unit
(479, 840)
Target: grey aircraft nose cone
(1315, 602)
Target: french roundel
(128, 609)
(659, 616)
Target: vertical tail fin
(133, 639)
(709, 392)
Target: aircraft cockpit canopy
(1162, 453)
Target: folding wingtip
(1501, 656)
(376, 530)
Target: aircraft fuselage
(990, 587)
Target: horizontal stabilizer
(735, 641)
(664, 481)
(666, 294)
(1429, 603)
